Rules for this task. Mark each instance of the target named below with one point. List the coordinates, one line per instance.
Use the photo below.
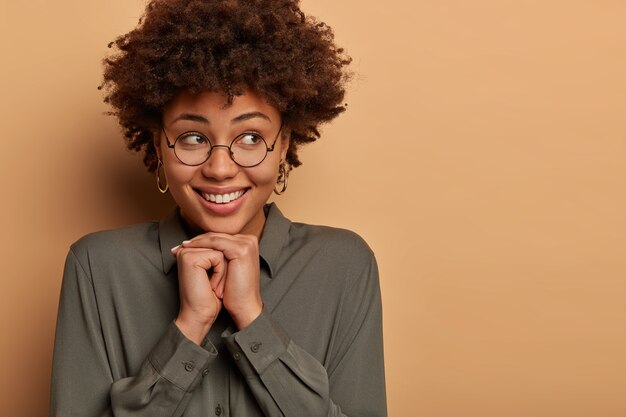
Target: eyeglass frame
(211, 146)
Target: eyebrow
(192, 117)
(241, 118)
(250, 115)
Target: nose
(220, 166)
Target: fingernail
(186, 241)
(174, 248)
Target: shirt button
(236, 356)
(255, 347)
(218, 410)
(188, 366)
(205, 372)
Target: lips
(222, 198)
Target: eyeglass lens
(246, 150)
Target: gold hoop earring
(162, 189)
(283, 178)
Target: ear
(284, 142)
(156, 141)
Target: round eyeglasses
(247, 150)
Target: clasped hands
(217, 270)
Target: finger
(219, 290)
(219, 267)
(219, 271)
(233, 246)
(202, 258)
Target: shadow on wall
(135, 190)
(125, 192)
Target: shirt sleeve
(285, 379)
(82, 381)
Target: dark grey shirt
(316, 350)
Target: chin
(202, 224)
(223, 227)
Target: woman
(225, 307)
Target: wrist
(244, 317)
(193, 330)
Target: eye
(249, 139)
(192, 139)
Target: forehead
(214, 106)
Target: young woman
(225, 307)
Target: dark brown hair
(268, 46)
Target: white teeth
(222, 198)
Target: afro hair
(229, 46)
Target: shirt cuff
(258, 345)
(181, 361)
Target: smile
(223, 198)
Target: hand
(241, 288)
(200, 294)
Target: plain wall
(482, 157)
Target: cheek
(264, 177)
(178, 175)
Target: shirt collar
(273, 238)
(171, 233)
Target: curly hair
(268, 46)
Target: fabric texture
(315, 350)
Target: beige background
(482, 157)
